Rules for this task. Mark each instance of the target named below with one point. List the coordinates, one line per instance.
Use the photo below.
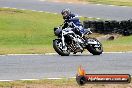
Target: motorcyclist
(72, 18)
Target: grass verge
(122, 44)
(28, 32)
(62, 83)
(107, 2)
(39, 83)
(112, 2)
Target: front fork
(63, 42)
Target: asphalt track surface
(54, 66)
(87, 10)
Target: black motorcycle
(69, 40)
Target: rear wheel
(95, 49)
(57, 45)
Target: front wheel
(95, 49)
(57, 45)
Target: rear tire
(58, 49)
(95, 50)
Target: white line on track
(34, 79)
(6, 7)
(113, 52)
(111, 5)
(98, 4)
(119, 52)
(5, 80)
(40, 11)
(124, 6)
(57, 54)
(32, 10)
(22, 9)
(54, 78)
(98, 18)
(28, 79)
(28, 54)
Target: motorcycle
(69, 40)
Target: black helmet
(65, 12)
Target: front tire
(95, 50)
(57, 47)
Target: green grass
(44, 82)
(121, 44)
(26, 29)
(112, 2)
(28, 32)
